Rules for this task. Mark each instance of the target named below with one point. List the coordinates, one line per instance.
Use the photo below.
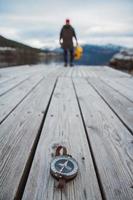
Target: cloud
(39, 22)
(9, 32)
(110, 30)
(122, 41)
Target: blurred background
(29, 31)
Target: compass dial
(64, 166)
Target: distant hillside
(96, 54)
(15, 53)
(4, 42)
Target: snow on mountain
(123, 59)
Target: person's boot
(65, 65)
(71, 64)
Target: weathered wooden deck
(87, 109)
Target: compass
(64, 166)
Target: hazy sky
(38, 22)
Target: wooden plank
(24, 75)
(23, 69)
(63, 125)
(109, 72)
(68, 71)
(122, 78)
(125, 82)
(6, 79)
(13, 98)
(12, 72)
(110, 78)
(7, 86)
(116, 73)
(56, 72)
(18, 137)
(76, 72)
(88, 71)
(120, 105)
(127, 92)
(103, 71)
(110, 141)
(119, 76)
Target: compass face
(64, 166)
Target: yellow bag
(78, 52)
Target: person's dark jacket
(67, 33)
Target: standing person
(66, 40)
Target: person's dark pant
(67, 53)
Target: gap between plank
(129, 129)
(90, 147)
(21, 100)
(14, 86)
(24, 178)
(116, 90)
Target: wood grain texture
(121, 105)
(125, 82)
(111, 143)
(11, 99)
(103, 71)
(103, 148)
(13, 73)
(11, 84)
(14, 97)
(63, 125)
(17, 138)
(125, 91)
(118, 80)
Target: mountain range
(4, 42)
(95, 54)
(14, 53)
(92, 54)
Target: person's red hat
(67, 20)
